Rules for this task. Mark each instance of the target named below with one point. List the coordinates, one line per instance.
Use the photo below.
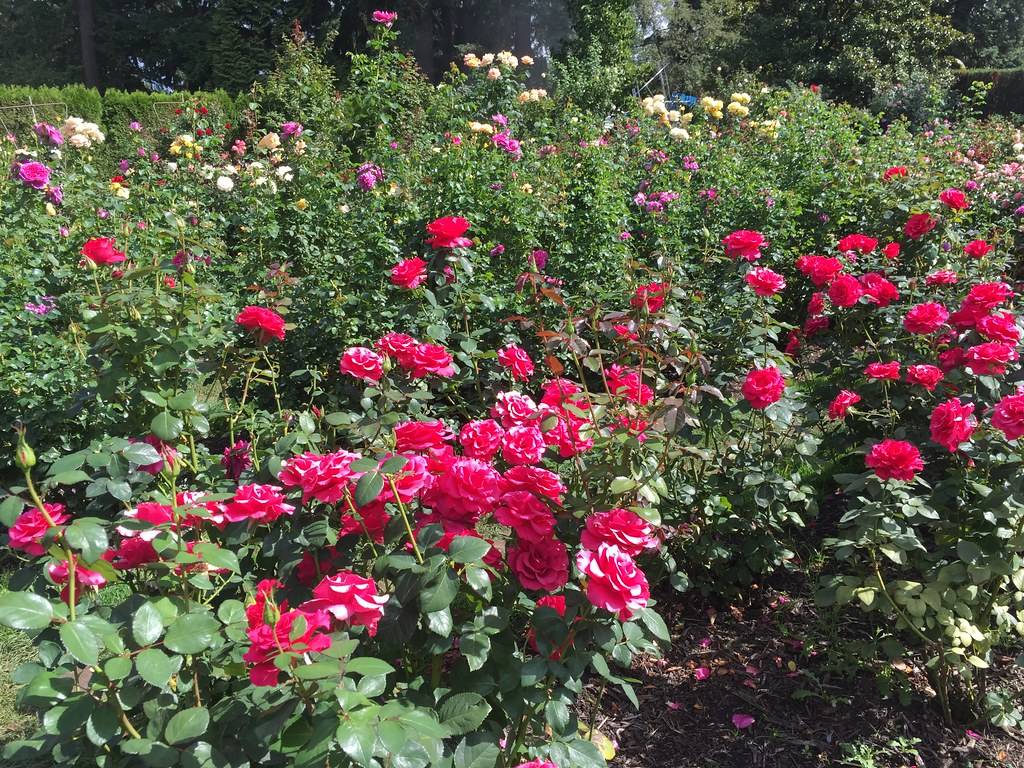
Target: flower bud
(24, 457)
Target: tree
(996, 30)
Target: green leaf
(357, 740)
(156, 667)
(70, 478)
(155, 398)
(393, 465)
(367, 665)
(147, 624)
(166, 427)
(24, 610)
(80, 642)
(118, 667)
(318, 670)
(141, 454)
(187, 725)
(192, 633)
(88, 537)
(655, 624)
(102, 726)
(182, 402)
(440, 594)
(557, 714)
(463, 712)
(483, 754)
(468, 549)
(216, 556)
(10, 508)
(368, 488)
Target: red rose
(465, 490)
(878, 290)
(265, 322)
(764, 281)
(626, 530)
(894, 460)
(447, 232)
(527, 515)
(927, 376)
(886, 371)
(102, 250)
(1001, 326)
(362, 363)
(516, 361)
(1008, 416)
(816, 304)
(841, 404)
(540, 565)
(977, 248)
(258, 503)
(845, 291)
(614, 582)
(540, 482)
(270, 641)
(322, 477)
(557, 604)
(894, 172)
(431, 359)
(892, 251)
(409, 273)
(348, 597)
(919, 225)
(744, 244)
(989, 359)
(628, 384)
(651, 296)
(862, 244)
(821, 269)
(30, 527)
(512, 408)
(421, 435)
(952, 424)
(481, 439)
(399, 346)
(942, 277)
(951, 358)
(763, 386)
(523, 445)
(925, 318)
(988, 295)
(954, 199)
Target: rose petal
(741, 720)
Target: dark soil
(775, 659)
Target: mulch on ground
(766, 661)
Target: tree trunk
(87, 34)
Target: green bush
(1007, 94)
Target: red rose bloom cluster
(265, 323)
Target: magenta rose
(763, 386)
(614, 582)
(362, 363)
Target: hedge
(113, 110)
(1007, 94)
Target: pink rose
(626, 530)
(925, 319)
(516, 361)
(265, 323)
(952, 424)
(399, 346)
(30, 527)
(883, 371)
(845, 290)
(613, 580)
(34, 174)
(954, 199)
(764, 281)
(894, 460)
(421, 435)
(989, 359)
(927, 376)
(409, 273)
(841, 404)
(258, 503)
(523, 445)
(481, 439)
(744, 244)
(322, 477)
(527, 515)
(763, 386)
(352, 600)
(1008, 416)
(431, 359)
(362, 363)
(540, 565)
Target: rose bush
(372, 426)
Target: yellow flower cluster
(119, 190)
(186, 146)
(504, 58)
(81, 134)
(654, 106)
(769, 128)
(738, 105)
(534, 94)
(713, 107)
(476, 127)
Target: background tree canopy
(862, 50)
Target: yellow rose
(301, 204)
